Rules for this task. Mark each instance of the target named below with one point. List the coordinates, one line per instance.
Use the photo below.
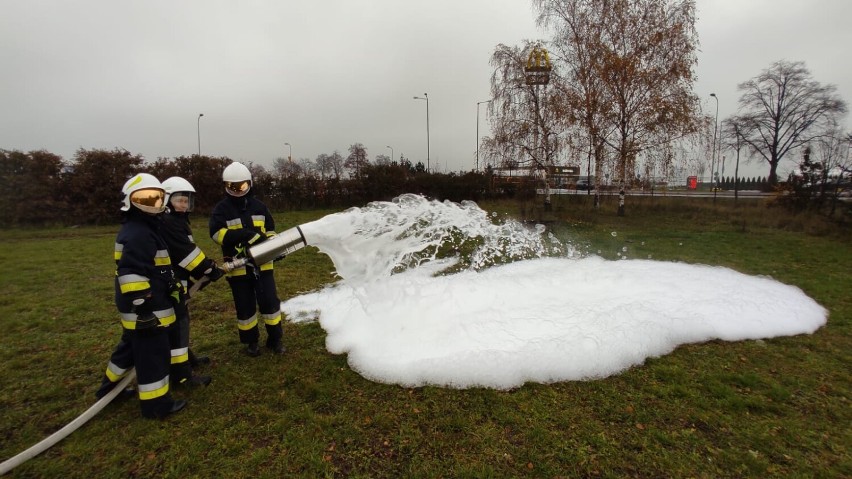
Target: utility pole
(199, 132)
(537, 72)
(426, 97)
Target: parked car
(584, 185)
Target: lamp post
(426, 97)
(289, 152)
(715, 129)
(477, 131)
(198, 125)
(391, 149)
(713, 153)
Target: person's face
(180, 203)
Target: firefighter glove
(245, 236)
(214, 273)
(176, 291)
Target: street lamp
(713, 153)
(426, 97)
(198, 124)
(715, 129)
(391, 149)
(290, 152)
(477, 131)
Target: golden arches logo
(538, 60)
(537, 71)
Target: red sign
(691, 182)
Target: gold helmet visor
(237, 188)
(149, 200)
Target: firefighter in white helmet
(144, 285)
(239, 221)
(191, 265)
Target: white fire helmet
(237, 178)
(180, 195)
(145, 192)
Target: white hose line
(72, 426)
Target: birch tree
(524, 119)
(628, 67)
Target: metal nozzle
(281, 244)
(229, 266)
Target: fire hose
(72, 426)
(273, 248)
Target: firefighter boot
(253, 350)
(108, 386)
(194, 381)
(175, 407)
(277, 346)
(196, 361)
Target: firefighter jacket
(189, 260)
(238, 223)
(143, 271)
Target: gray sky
(322, 75)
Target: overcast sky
(323, 75)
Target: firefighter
(144, 288)
(239, 221)
(190, 266)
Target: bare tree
(286, 168)
(383, 160)
(335, 163)
(323, 165)
(648, 53)
(309, 168)
(732, 139)
(357, 159)
(784, 109)
(832, 153)
(577, 28)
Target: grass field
(771, 408)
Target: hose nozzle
(279, 245)
(283, 243)
(229, 266)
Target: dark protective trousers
(179, 342)
(148, 351)
(250, 295)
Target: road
(752, 194)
